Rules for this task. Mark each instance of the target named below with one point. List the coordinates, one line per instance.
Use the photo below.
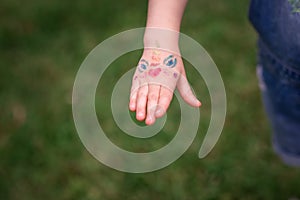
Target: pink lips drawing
(154, 72)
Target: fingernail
(140, 116)
(199, 103)
(150, 121)
(131, 106)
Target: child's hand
(157, 75)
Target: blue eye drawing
(144, 64)
(170, 61)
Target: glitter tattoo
(175, 75)
(170, 61)
(156, 56)
(143, 65)
(154, 72)
(154, 64)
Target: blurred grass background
(42, 44)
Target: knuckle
(141, 108)
(132, 99)
(166, 96)
(153, 96)
(134, 88)
(142, 94)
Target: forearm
(163, 14)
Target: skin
(151, 101)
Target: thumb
(186, 92)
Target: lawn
(42, 45)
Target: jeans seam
(286, 74)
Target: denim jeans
(280, 87)
(277, 23)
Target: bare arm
(165, 13)
(160, 71)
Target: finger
(132, 101)
(164, 101)
(133, 93)
(153, 95)
(141, 103)
(186, 92)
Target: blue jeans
(277, 23)
(280, 85)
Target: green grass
(42, 45)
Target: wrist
(161, 38)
